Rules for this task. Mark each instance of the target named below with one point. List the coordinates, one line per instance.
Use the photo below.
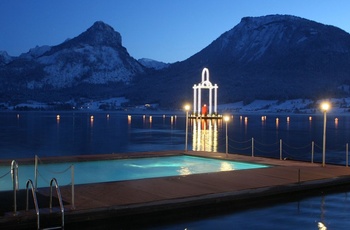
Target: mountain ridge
(96, 56)
(268, 57)
(300, 59)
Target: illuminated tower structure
(200, 110)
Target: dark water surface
(330, 208)
(26, 134)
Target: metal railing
(281, 149)
(36, 205)
(53, 180)
(37, 173)
(30, 182)
(14, 176)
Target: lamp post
(187, 108)
(226, 119)
(325, 106)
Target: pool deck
(147, 200)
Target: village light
(325, 106)
(226, 119)
(187, 109)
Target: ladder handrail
(30, 182)
(53, 180)
(14, 175)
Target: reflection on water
(27, 134)
(185, 171)
(225, 166)
(205, 134)
(332, 209)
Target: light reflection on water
(205, 134)
(225, 166)
(78, 133)
(304, 213)
(32, 133)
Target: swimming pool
(120, 169)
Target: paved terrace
(132, 203)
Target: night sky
(163, 30)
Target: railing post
(59, 196)
(30, 183)
(280, 149)
(36, 173)
(72, 180)
(14, 174)
(312, 151)
(347, 155)
(252, 146)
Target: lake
(26, 134)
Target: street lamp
(187, 108)
(325, 106)
(226, 119)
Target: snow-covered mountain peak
(35, 52)
(150, 63)
(4, 58)
(255, 37)
(263, 20)
(100, 34)
(96, 56)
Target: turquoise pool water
(121, 169)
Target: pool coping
(123, 201)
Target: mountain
(269, 57)
(95, 59)
(35, 52)
(153, 64)
(4, 58)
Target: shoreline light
(325, 106)
(187, 108)
(226, 119)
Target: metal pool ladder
(37, 210)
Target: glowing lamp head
(187, 107)
(325, 106)
(226, 118)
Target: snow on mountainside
(273, 57)
(4, 58)
(35, 52)
(95, 57)
(268, 35)
(157, 65)
(270, 57)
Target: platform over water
(135, 202)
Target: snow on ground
(32, 105)
(289, 106)
(303, 106)
(111, 102)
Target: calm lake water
(330, 208)
(26, 134)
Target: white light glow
(226, 118)
(325, 106)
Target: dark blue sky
(164, 30)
